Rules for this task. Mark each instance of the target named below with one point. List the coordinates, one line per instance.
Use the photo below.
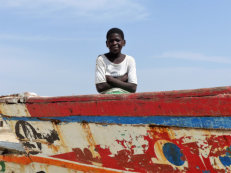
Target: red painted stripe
(74, 166)
(200, 102)
(66, 156)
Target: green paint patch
(3, 166)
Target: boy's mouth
(115, 47)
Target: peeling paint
(178, 131)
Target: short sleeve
(132, 78)
(100, 70)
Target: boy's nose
(114, 42)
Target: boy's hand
(109, 78)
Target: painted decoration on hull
(176, 131)
(134, 148)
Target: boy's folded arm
(103, 86)
(118, 82)
(123, 78)
(115, 82)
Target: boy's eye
(117, 40)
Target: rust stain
(55, 148)
(156, 131)
(46, 168)
(22, 168)
(158, 149)
(90, 139)
(60, 137)
(33, 166)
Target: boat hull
(183, 131)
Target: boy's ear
(124, 42)
(106, 43)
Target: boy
(115, 72)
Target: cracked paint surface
(178, 131)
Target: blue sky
(50, 46)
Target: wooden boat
(172, 131)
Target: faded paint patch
(19, 110)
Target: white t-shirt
(105, 67)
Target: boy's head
(115, 40)
(115, 31)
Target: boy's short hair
(115, 30)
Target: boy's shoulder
(100, 57)
(130, 58)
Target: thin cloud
(93, 9)
(195, 57)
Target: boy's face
(115, 43)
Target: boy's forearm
(103, 87)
